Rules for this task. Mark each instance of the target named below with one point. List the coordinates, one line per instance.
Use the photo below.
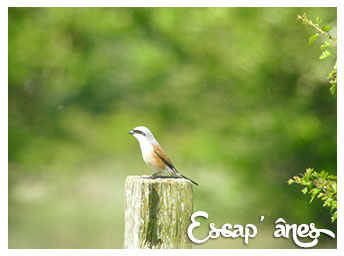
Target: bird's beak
(131, 132)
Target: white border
(159, 252)
(173, 3)
(166, 3)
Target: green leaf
(325, 54)
(309, 170)
(325, 45)
(334, 186)
(326, 28)
(290, 181)
(334, 216)
(318, 19)
(333, 88)
(313, 38)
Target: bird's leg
(154, 176)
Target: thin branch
(305, 20)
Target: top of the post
(163, 181)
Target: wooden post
(157, 213)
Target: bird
(154, 156)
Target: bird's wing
(162, 155)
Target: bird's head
(142, 134)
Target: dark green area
(236, 96)
(153, 208)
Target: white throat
(145, 144)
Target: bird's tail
(189, 180)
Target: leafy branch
(330, 42)
(319, 185)
(322, 30)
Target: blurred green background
(236, 96)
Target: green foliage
(325, 54)
(329, 47)
(333, 79)
(319, 185)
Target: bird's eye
(139, 132)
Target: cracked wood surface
(157, 212)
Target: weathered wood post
(157, 213)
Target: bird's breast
(151, 159)
(154, 162)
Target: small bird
(154, 156)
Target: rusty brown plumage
(162, 155)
